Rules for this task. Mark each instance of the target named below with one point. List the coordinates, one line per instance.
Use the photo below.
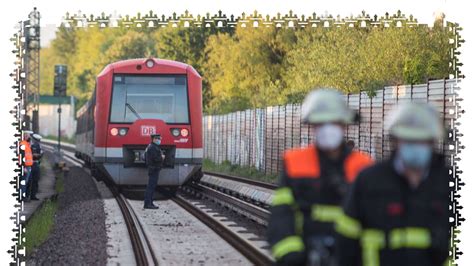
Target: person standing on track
(35, 169)
(154, 158)
(397, 212)
(313, 183)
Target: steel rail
(141, 245)
(243, 180)
(252, 211)
(252, 253)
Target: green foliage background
(256, 67)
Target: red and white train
(132, 100)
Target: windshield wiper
(133, 110)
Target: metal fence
(258, 137)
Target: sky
(51, 17)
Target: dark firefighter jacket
(386, 222)
(308, 201)
(153, 156)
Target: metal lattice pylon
(31, 32)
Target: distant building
(48, 116)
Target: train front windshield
(149, 97)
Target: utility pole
(60, 87)
(59, 125)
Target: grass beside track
(244, 171)
(40, 225)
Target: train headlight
(114, 131)
(150, 63)
(123, 131)
(175, 132)
(184, 132)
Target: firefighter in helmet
(397, 211)
(313, 183)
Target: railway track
(231, 200)
(243, 180)
(246, 248)
(144, 254)
(141, 246)
(247, 209)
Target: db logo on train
(148, 130)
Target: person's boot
(151, 206)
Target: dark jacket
(153, 156)
(386, 222)
(37, 151)
(307, 203)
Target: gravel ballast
(246, 228)
(79, 234)
(181, 239)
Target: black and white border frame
(255, 19)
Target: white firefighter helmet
(37, 137)
(324, 106)
(416, 121)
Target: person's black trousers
(153, 174)
(35, 176)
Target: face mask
(415, 155)
(157, 142)
(328, 136)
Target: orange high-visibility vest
(28, 155)
(304, 163)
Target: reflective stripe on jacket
(387, 222)
(304, 204)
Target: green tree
(257, 67)
(245, 69)
(324, 58)
(131, 45)
(65, 43)
(48, 59)
(187, 45)
(356, 59)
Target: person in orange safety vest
(26, 162)
(313, 183)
